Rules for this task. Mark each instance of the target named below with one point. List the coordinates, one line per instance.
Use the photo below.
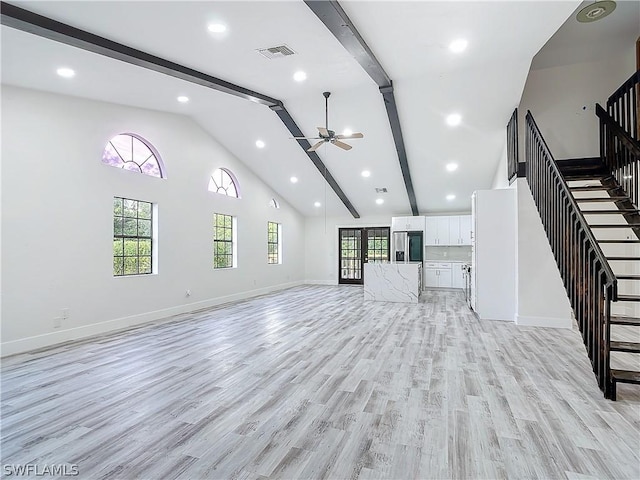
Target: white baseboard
(321, 282)
(549, 322)
(36, 342)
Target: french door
(357, 246)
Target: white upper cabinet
(449, 230)
(465, 230)
(454, 230)
(431, 231)
(407, 224)
(436, 231)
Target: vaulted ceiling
(409, 39)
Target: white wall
(321, 244)
(57, 230)
(556, 97)
(500, 179)
(542, 298)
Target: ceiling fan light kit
(329, 136)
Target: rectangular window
(222, 241)
(274, 247)
(132, 237)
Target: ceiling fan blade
(316, 146)
(323, 132)
(342, 145)
(305, 138)
(353, 135)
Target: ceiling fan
(329, 136)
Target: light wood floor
(313, 383)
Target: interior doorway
(357, 246)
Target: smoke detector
(381, 190)
(596, 11)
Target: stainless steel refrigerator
(407, 246)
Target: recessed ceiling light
(260, 144)
(452, 167)
(300, 76)
(458, 46)
(317, 204)
(347, 131)
(379, 201)
(454, 119)
(217, 27)
(366, 173)
(294, 179)
(183, 99)
(66, 72)
(596, 11)
(451, 197)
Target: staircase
(615, 223)
(589, 209)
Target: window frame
(123, 237)
(277, 243)
(154, 154)
(218, 188)
(229, 240)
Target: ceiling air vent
(381, 190)
(276, 52)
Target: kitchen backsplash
(452, 254)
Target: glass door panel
(377, 244)
(358, 246)
(351, 258)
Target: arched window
(132, 152)
(274, 203)
(224, 182)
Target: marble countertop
(392, 282)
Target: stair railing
(624, 108)
(512, 146)
(588, 279)
(621, 153)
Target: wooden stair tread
(630, 347)
(581, 176)
(626, 376)
(619, 241)
(617, 320)
(628, 298)
(622, 211)
(615, 225)
(587, 188)
(600, 199)
(623, 259)
(628, 277)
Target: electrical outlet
(187, 293)
(65, 313)
(57, 322)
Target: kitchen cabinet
(448, 230)
(438, 274)
(465, 230)
(436, 231)
(407, 224)
(460, 230)
(457, 276)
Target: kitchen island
(393, 282)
